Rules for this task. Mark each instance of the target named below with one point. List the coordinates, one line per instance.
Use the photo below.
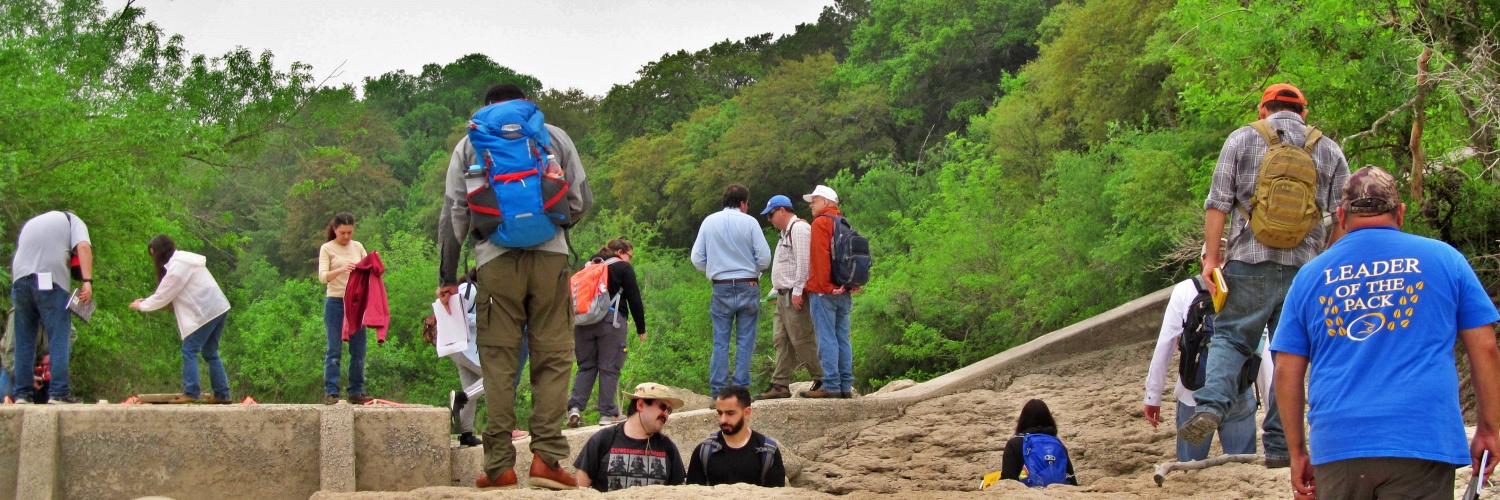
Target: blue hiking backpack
(850, 264)
(1046, 460)
(520, 203)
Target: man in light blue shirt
(732, 251)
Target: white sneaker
(575, 418)
(608, 420)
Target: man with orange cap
(1270, 238)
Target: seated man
(735, 453)
(635, 453)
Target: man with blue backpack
(514, 184)
(838, 265)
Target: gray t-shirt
(44, 245)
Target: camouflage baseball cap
(1370, 191)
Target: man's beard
(733, 429)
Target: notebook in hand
(84, 310)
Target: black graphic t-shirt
(615, 461)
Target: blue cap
(776, 201)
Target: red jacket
(820, 257)
(364, 299)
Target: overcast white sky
(589, 44)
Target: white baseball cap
(824, 191)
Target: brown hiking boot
(819, 393)
(544, 476)
(506, 480)
(211, 400)
(777, 391)
(331, 399)
(359, 399)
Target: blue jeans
(5, 385)
(735, 310)
(205, 340)
(46, 309)
(830, 315)
(1255, 295)
(1236, 431)
(333, 321)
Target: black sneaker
(65, 400)
(467, 440)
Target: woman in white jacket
(201, 308)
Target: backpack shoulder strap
(1313, 134)
(767, 457)
(707, 448)
(1267, 131)
(1198, 284)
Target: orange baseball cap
(1272, 91)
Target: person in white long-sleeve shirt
(201, 308)
(1237, 430)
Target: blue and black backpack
(521, 201)
(850, 259)
(1046, 460)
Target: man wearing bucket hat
(1376, 318)
(796, 343)
(634, 453)
(1273, 229)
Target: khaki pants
(525, 291)
(796, 343)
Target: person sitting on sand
(1035, 456)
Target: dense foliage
(1019, 165)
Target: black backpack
(850, 264)
(1197, 334)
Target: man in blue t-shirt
(1376, 317)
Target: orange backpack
(591, 300)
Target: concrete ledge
(213, 452)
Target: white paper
(43, 281)
(452, 326)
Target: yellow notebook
(1221, 289)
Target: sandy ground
(941, 447)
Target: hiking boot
(1278, 463)
(820, 394)
(846, 395)
(544, 476)
(1199, 427)
(359, 399)
(212, 400)
(610, 420)
(65, 400)
(331, 399)
(575, 418)
(777, 391)
(506, 480)
(467, 439)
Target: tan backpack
(1285, 204)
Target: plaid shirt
(1234, 186)
(789, 267)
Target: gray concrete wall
(218, 452)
